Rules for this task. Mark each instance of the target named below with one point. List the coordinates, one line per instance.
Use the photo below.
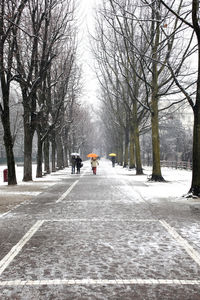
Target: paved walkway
(95, 237)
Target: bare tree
(46, 23)
(189, 17)
(10, 16)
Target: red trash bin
(5, 175)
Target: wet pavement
(96, 237)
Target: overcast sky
(86, 23)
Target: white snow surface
(48, 179)
(177, 183)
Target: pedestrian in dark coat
(113, 161)
(78, 164)
(73, 162)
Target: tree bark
(46, 156)
(132, 150)
(60, 153)
(39, 157)
(53, 151)
(195, 185)
(66, 156)
(126, 147)
(120, 149)
(139, 170)
(156, 172)
(28, 142)
(9, 151)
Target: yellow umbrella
(92, 155)
(112, 154)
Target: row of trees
(145, 52)
(38, 59)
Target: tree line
(38, 60)
(148, 67)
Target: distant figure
(78, 164)
(94, 164)
(73, 163)
(113, 161)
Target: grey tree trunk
(46, 156)
(39, 157)
(60, 152)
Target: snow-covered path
(110, 236)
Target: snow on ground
(34, 187)
(177, 181)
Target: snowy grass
(177, 183)
(176, 186)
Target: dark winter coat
(78, 162)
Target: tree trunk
(139, 170)
(132, 150)
(8, 141)
(126, 147)
(39, 157)
(195, 185)
(66, 156)
(60, 154)
(46, 156)
(9, 153)
(156, 172)
(120, 149)
(53, 152)
(28, 141)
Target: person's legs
(94, 170)
(73, 169)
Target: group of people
(76, 163)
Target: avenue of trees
(146, 53)
(40, 84)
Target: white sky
(85, 24)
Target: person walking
(113, 161)
(73, 163)
(78, 164)
(94, 164)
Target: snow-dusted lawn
(177, 183)
(19, 174)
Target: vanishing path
(94, 237)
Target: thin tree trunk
(66, 156)
(132, 150)
(126, 147)
(53, 152)
(156, 172)
(39, 157)
(60, 152)
(139, 170)
(120, 149)
(46, 156)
